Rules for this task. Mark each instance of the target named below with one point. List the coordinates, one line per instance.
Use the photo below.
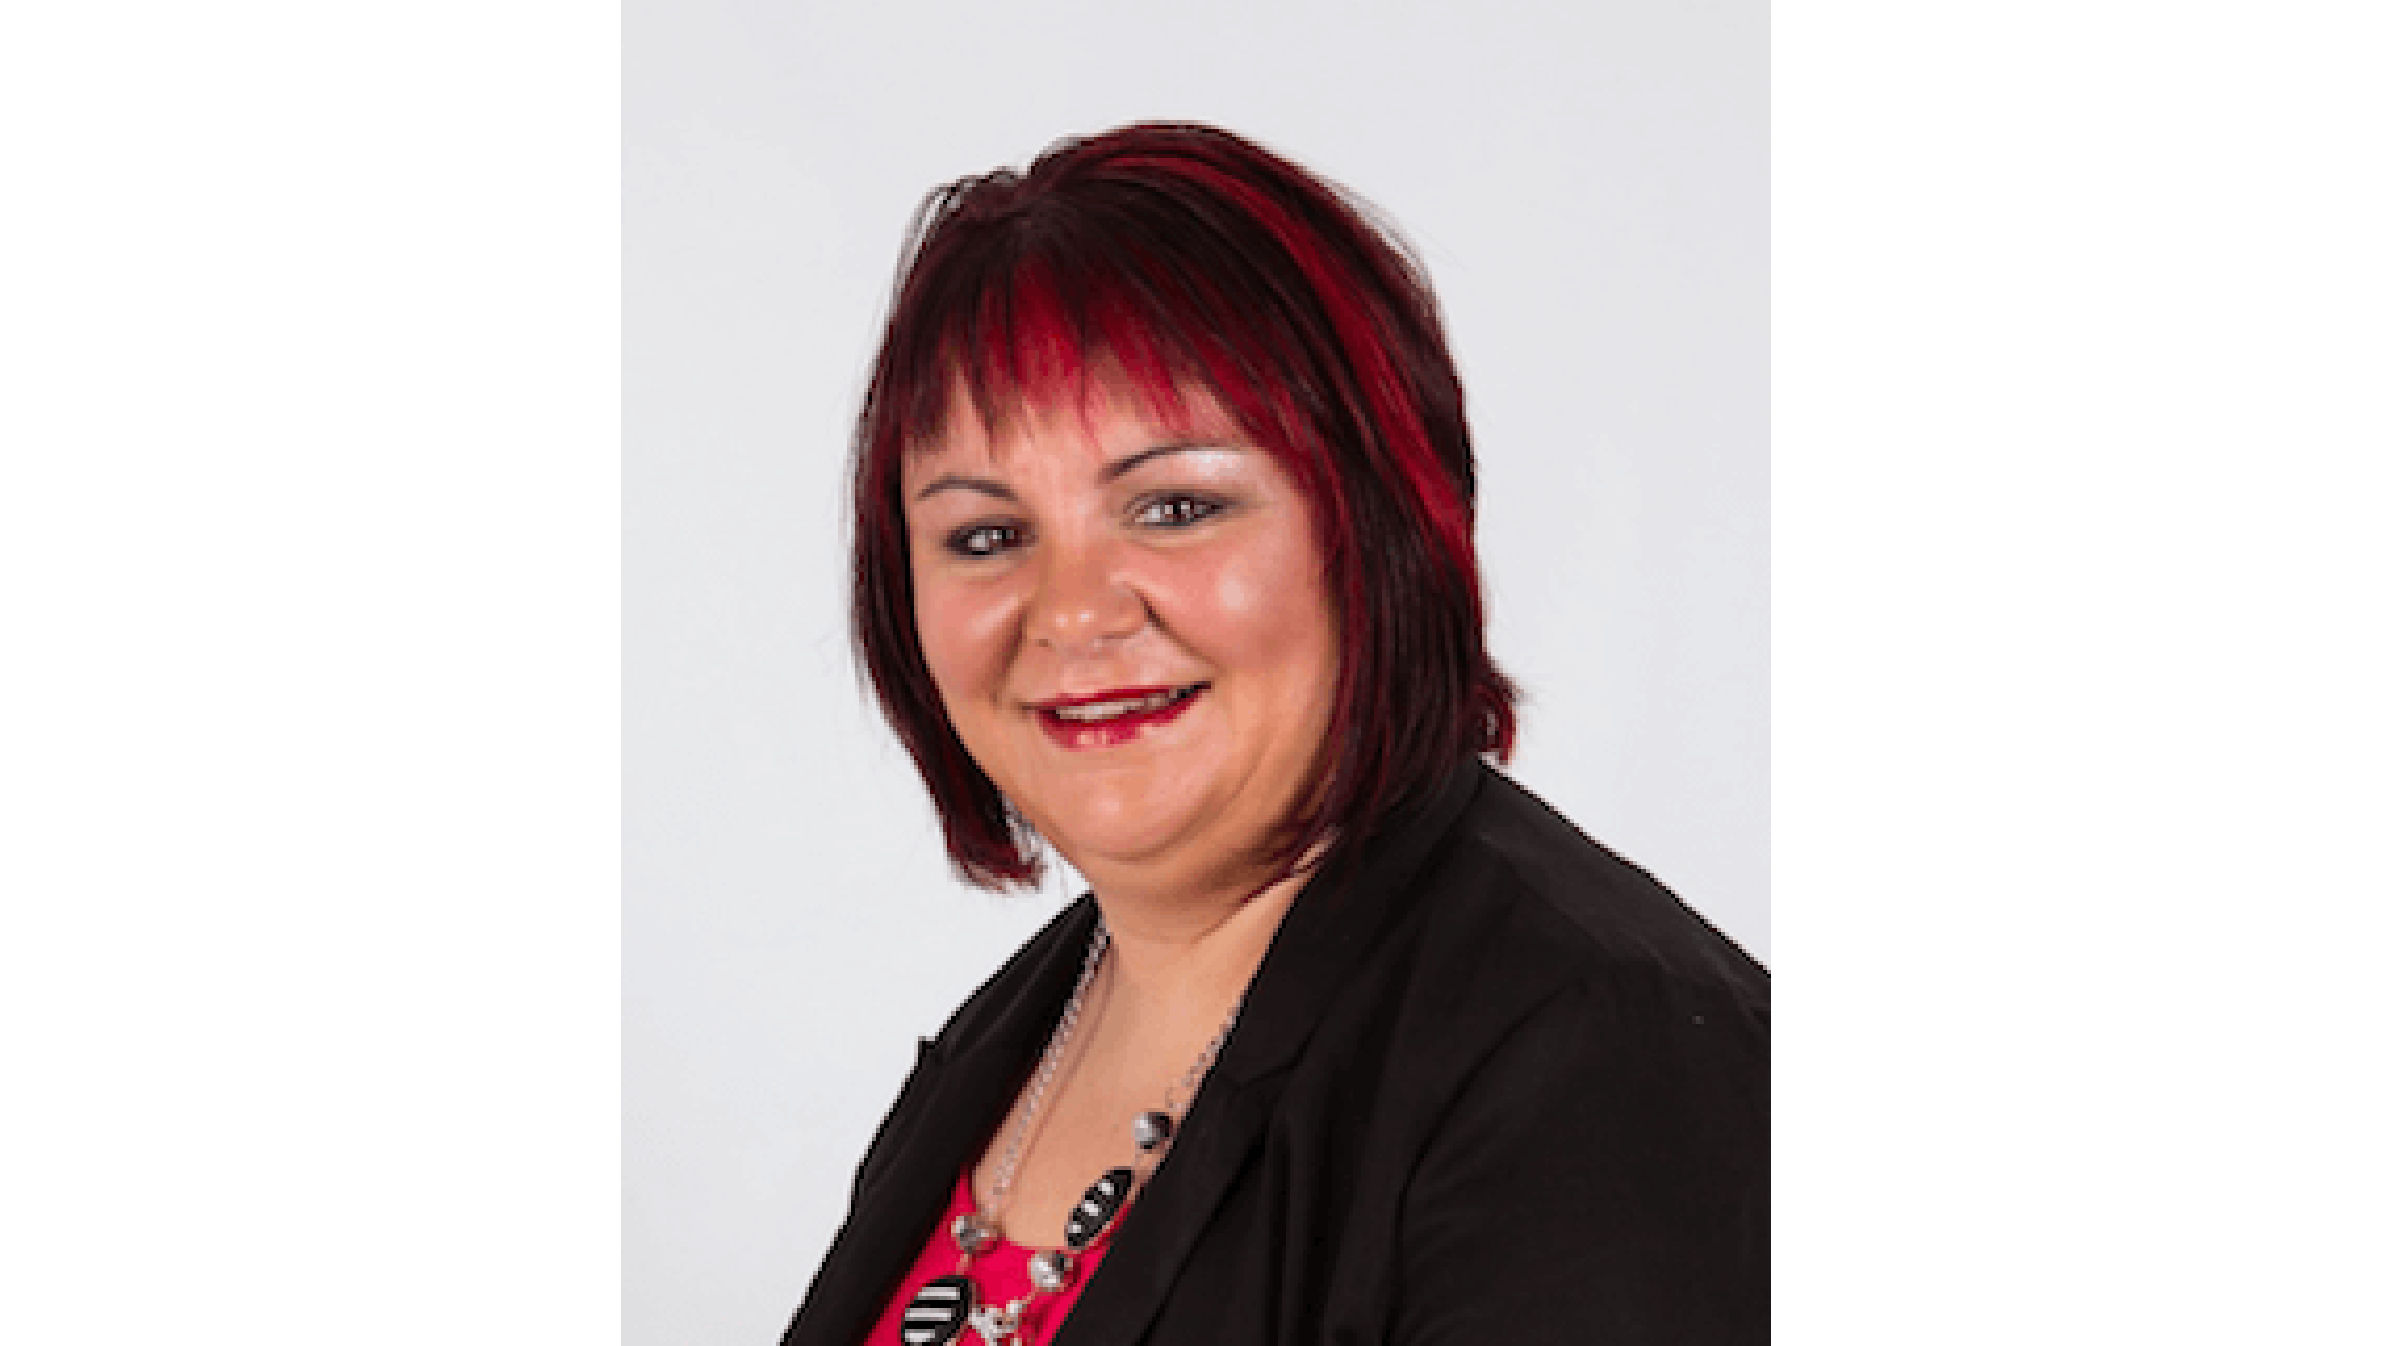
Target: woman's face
(1128, 627)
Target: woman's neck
(1191, 957)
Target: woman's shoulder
(1514, 853)
(1579, 1068)
(1022, 994)
(1518, 913)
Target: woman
(1164, 558)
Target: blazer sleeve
(1601, 1176)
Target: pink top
(1002, 1275)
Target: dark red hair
(1173, 255)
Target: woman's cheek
(1254, 598)
(965, 633)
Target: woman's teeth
(1092, 712)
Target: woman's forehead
(1097, 407)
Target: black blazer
(1496, 1086)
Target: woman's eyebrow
(1110, 472)
(1120, 467)
(952, 481)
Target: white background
(309, 647)
(1588, 188)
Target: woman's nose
(1083, 599)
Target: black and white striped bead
(937, 1313)
(1102, 1201)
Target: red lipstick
(1110, 718)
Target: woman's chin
(1131, 845)
(1126, 832)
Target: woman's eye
(983, 539)
(1178, 511)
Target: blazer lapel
(1332, 925)
(961, 1089)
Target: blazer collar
(967, 1079)
(1334, 922)
(961, 1089)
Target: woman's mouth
(1113, 717)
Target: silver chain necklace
(944, 1307)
